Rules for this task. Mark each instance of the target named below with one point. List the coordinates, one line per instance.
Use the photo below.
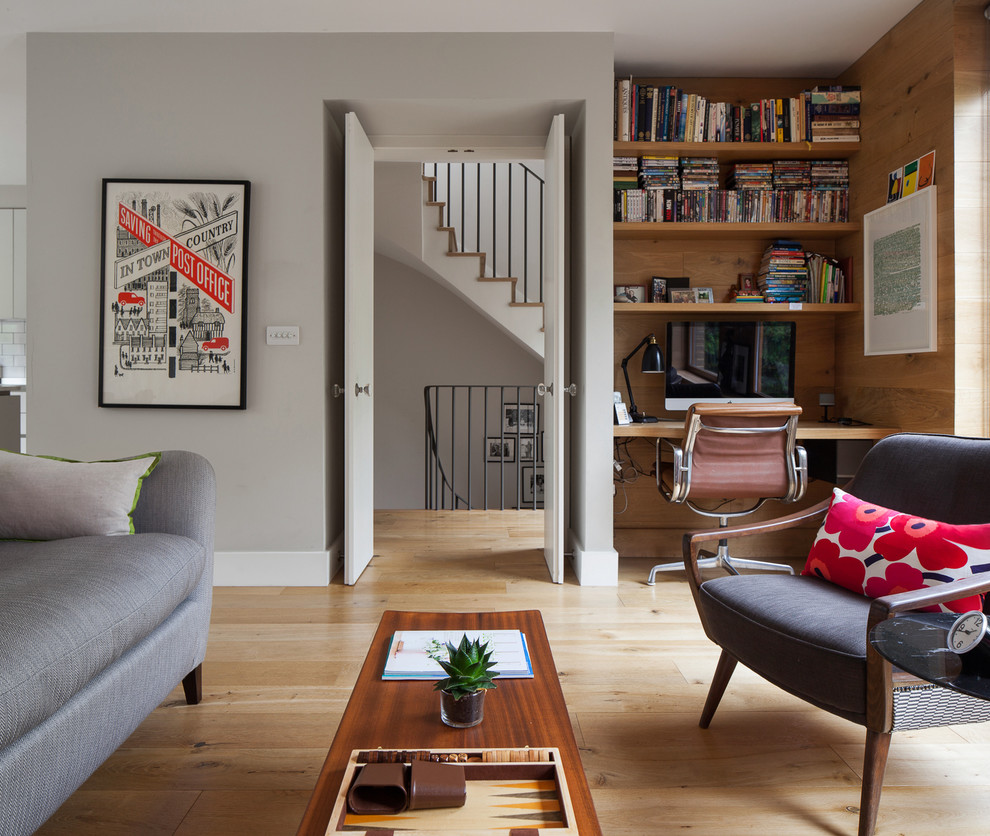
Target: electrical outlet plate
(282, 335)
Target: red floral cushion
(876, 551)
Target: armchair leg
(723, 673)
(874, 764)
(192, 685)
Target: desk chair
(733, 451)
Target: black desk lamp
(652, 364)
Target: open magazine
(410, 652)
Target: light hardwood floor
(634, 666)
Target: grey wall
(424, 335)
(251, 106)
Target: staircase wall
(425, 335)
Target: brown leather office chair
(810, 637)
(733, 451)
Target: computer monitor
(729, 361)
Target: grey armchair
(809, 637)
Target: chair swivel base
(721, 560)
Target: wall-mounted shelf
(737, 151)
(799, 231)
(761, 309)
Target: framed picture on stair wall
(522, 418)
(173, 297)
(532, 485)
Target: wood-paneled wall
(922, 85)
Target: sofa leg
(192, 684)
(874, 765)
(723, 673)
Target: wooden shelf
(798, 231)
(693, 309)
(732, 151)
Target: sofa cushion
(45, 498)
(69, 608)
(877, 551)
(803, 634)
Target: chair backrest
(941, 477)
(743, 451)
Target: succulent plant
(467, 668)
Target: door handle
(572, 390)
(543, 389)
(358, 389)
(338, 390)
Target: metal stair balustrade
(490, 206)
(484, 447)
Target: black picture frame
(520, 418)
(500, 449)
(173, 293)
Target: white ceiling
(652, 37)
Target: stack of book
(625, 172)
(835, 114)
(783, 274)
(751, 176)
(791, 174)
(699, 173)
(659, 173)
(827, 279)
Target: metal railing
(496, 209)
(484, 447)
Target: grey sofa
(95, 632)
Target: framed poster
(173, 297)
(899, 286)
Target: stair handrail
(465, 204)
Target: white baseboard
(594, 568)
(273, 568)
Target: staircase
(496, 205)
(480, 235)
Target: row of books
(671, 172)
(649, 113)
(730, 206)
(789, 274)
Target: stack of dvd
(699, 173)
(751, 176)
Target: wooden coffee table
(405, 715)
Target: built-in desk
(821, 440)
(807, 430)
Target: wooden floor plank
(634, 666)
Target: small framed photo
(630, 293)
(532, 485)
(522, 419)
(704, 294)
(500, 449)
(658, 289)
(680, 295)
(527, 448)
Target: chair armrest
(693, 540)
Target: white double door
(359, 360)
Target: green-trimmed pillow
(48, 498)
